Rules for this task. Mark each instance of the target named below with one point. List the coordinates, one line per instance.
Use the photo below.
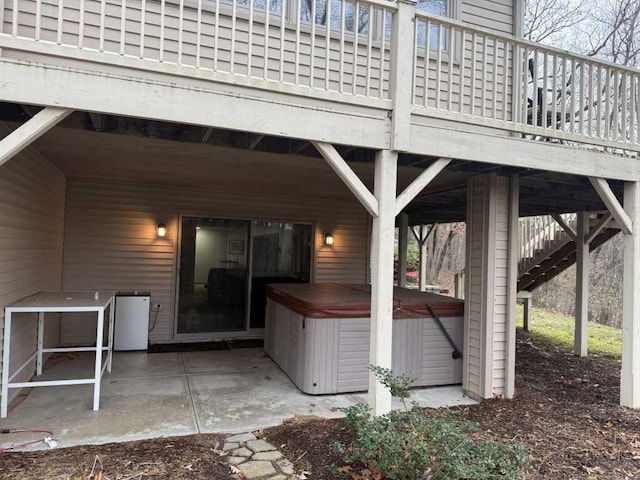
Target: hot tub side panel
(438, 366)
(319, 368)
(353, 354)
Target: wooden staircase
(546, 249)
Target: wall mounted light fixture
(328, 239)
(162, 230)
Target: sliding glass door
(213, 275)
(226, 265)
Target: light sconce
(328, 239)
(162, 230)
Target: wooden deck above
(406, 81)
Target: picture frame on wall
(236, 247)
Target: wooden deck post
(582, 285)
(630, 374)
(491, 274)
(401, 73)
(403, 243)
(383, 230)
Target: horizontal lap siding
(130, 42)
(111, 242)
(32, 203)
(501, 286)
(476, 276)
(492, 14)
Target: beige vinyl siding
(474, 299)
(492, 14)
(111, 242)
(32, 206)
(129, 43)
(488, 265)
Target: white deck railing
(262, 41)
(341, 50)
(479, 77)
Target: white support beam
(30, 131)
(383, 229)
(630, 374)
(512, 288)
(601, 225)
(403, 243)
(565, 226)
(351, 180)
(420, 183)
(606, 194)
(582, 286)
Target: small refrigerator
(131, 321)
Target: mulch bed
(565, 411)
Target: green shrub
(409, 445)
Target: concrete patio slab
(254, 400)
(226, 361)
(165, 394)
(130, 409)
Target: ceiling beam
(30, 131)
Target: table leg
(98, 366)
(40, 343)
(5, 363)
(110, 340)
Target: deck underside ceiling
(178, 155)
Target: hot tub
(319, 335)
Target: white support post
(401, 80)
(630, 374)
(383, 229)
(423, 259)
(30, 131)
(403, 243)
(512, 287)
(582, 285)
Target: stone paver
(285, 466)
(257, 458)
(243, 452)
(259, 446)
(257, 469)
(242, 437)
(269, 456)
(230, 446)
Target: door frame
(248, 332)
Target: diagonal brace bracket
(30, 131)
(613, 205)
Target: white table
(58, 302)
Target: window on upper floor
(435, 7)
(438, 38)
